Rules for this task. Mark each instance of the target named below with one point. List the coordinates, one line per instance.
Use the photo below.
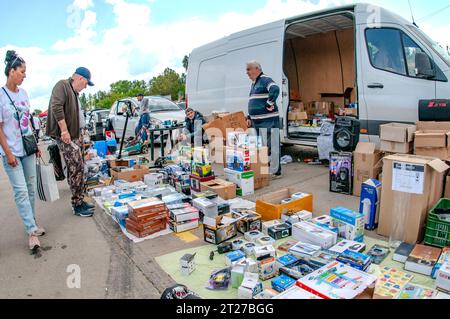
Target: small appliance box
(238, 159)
(445, 258)
(370, 203)
(271, 206)
(250, 287)
(196, 182)
(349, 223)
(282, 283)
(251, 222)
(267, 268)
(245, 181)
(280, 231)
(218, 235)
(341, 173)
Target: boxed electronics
(224, 189)
(266, 240)
(184, 214)
(266, 225)
(146, 217)
(349, 223)
(351, 245)
(225, 229)
(411, 187)
(202, 170)
(187, 264)
(238, 140)
(134, 174)
(179, 227)
(223, 123)
(238, 159)
(270, 206)
(253, 235)
(366, 165)
(280, 231)
(206, 206)
(250, 221)
(307, 232)
(341, 173)
(267, 268)
(245, 181)
(397, 138)
(293, 218)
(263, 252)
(153, 179)
(285, 261)
(234, 257)
(282, 283)
(354, 259)
(370, 203)
(251, 286)
(304, 251)
(197, 181)
(444, 258)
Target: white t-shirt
(37, 123)
(8, 116)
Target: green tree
(167, 83)
(186, 62)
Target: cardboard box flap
(365, 148)
(439, 166)
(445, 126)
(424, 160)
(397, 132)
(431, 138)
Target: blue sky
(137, 39)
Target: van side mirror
(423, 66)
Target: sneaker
(88, 206)
(39, 232)
(81, 211)
(277, 176)
(33, 242)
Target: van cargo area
(319, 63)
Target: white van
(361, 53)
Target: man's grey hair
(255, 64)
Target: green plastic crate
(437, 232)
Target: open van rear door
(389, 84)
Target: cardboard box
(218, 235)
(366, 165)
(411, 186)
(260, 166)
(225, 123)
(238, 159)
(245, 181)
(349, 223)
(270, 207)
(370, 203)
(433, 143)
(397, 138)
(443, 278)
(447, 187)
(196, 182)
(224, 189)
(183, 226)
(134, 175)
(397, 132)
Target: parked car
(161, 111)
(96, 123)
(359, 55)
(182, 105)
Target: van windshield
(443, 53)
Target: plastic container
(437, 232)
(102, 148)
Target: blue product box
(233, 257)
(127, 195)
(370, 203)
(282, 283)
(120, 214)
(356, 260)
(286, 260)
(329, 227)
(349, 223)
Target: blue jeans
(23, 181)
(265, 128)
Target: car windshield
(443, 53)
(157, 104)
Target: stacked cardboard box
(397, 138)
(224, 123)
(134, 174)
(146, 217)
(224, 189)
(367, 165)
(433, 139)
(183, 217)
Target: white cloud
(136, 46)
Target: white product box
(345, 244)
(302, 216)
(251, 286)
(244, 180)
(253, 236)
(307, 232)
(267, 225)
(206, 206)
(443, 278)
(264, 251)
(266, 240)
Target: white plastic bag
(47, 188)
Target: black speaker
(346, 134)
(434, 110)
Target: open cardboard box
(269, 206)
(224, 189)
(136, 174)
